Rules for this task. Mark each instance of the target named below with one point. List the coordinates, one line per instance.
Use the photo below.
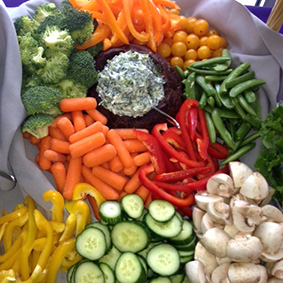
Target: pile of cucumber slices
(133, 244)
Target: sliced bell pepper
(176, 201)
(13, 215)
(70, 227)
(57, 200)
(203, 142)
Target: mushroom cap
(197, 217)
(220, 274)
(255, 187)
(239, 172)
(215, 240)
(202, 199)
(240, 272)
(244, 248)
(195, 271)
(220, 184)
(277, 269)
(220, 212)
(272, 213)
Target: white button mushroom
(220, 274)
(220, 184)
(220, 212)
(203, 198)
(272, 213)
(195, 272)
(277, 269)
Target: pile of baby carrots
(124, 21)
(81, 148)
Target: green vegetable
(37, 125)
(45, 10)
(270, 160)
(70, 89)
(42, 100)
(25, 25)
(82, 69)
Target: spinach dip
(130, 84)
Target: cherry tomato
(189, 62)
(203, 41)
(180, 36)
(223, 42)
(200, 27)
(176, 60)
(164, 50)
(203, 52)
(191, 54)
(178, 49)
(192, 41)
(217, 52)
(213, 41)
(213, 31)
(189, 24)
(168, 40)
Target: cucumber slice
(187, 247)
(107, 272)
(167, 229)
(70, 273)
(106, 232)
(88, 272)
(129, 237)
(160, 279)
(133, 205)
(186, 235)
(163, 259)
(178, 278)
(161, 210)
(111, 257)
(129, 269)
(91, 243)
(110, 212)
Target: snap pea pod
(203, 100)
(225, 99)
(190, 89)
(242, 87)
(180, 72)
(240, 79)
(211, 101)
(250, 96)
(246, 105)
(225, 65)
(211, 62)
(214, 78)
(237, 154)
(210, 127)
(250, 139)
(224, 113)
(242, 131)
(223, 132)
(207, 87)
(208, 71)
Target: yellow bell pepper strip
(8, 264)
(31, 235)
(67, 263)
(58, 227)
(4, 212)
(2, 230)
(57, 200)
(70, 227)
(18, 222)
(13, 215)
(7, 275)
(83, 189)
(81, 209)
(57, 258)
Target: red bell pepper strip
(182, 118)
(157, 156)
(203, 142)
(181, 174)
(174, 139)
(218, 151)
(176, 201)
(156, 132)
(192, 122)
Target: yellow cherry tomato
(217, 52)
(203, 41)
(180, 36)
(200, 27)
(191, 54)
(193, 41)
(213, 41)
(189, 62)
(178, 49)
(176, 60)
(164, 50)
(223, 42)
(203, 52)
(213, 31)
(189, 24)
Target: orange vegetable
(97, 116)
(58, 171)
(99, 155)
(66, 126)
(115, 164)
(142, 159)
(128, 133)
(44, 144)
(56, 133)
(54, 156)
(133, 184)
(60, 146)
(78, 120)
(135, 146)
(143, 192)
(77, 104)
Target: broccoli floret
(82, 69)
(70, 89)
(55, 68)
(37, 125)
(67, 7)
(29, 81)
(24, 25)
(42, 100)
(96, 49)
(31, 53)
(56, 20)
(58, 40)
(45, 10)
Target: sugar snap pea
(211, 62)
(203, 100)
(225, 65)
(190, 89)
(210, 127)
(180, 72)
(246, 105)
(240, 88)
(220, 127)
(225, 99)
(211, 101)
(250, 139)
(214, 78)
(224, 113)
(237, 154)
(208, 71)
(250, 96)
(207, 87)
(242, 131)
(240, 79)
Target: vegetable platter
(249, 40)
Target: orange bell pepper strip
(143, 37)
(167, 3)
(166, 23)
(90, 5)
(157, 22)
(57, 201)
(111, 21)
(57, 258)
(81, 209)
(102, 31)
(78, 4)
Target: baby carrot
(56, 133)
(88, 120)
(54, 123)
(60, 146)
(115, 164)
(113, 179)
(106, 191)
(105, 130)
(77, 104)
(142, 159)
(148, 200)
(83, 133)
(44, 163)
(54, 156)
(143, 192)
(87, 144)
(128, 133)
(33, 140)
(58, 171)
(134, 183)
(99, 155)
(97, 116)
(135, 146)
(73, 177)
(66, 126)
(122, 151)
(78, 120)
